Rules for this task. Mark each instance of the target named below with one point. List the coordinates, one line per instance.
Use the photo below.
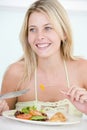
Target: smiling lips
(43, 45)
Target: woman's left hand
(78, 96)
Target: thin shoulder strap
(36, 99)
(67, 75)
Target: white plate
(10, 115)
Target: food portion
(59, 116)
(31, 113)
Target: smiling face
(42, 36)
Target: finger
(80, 93)
(71, 89)
(75, 92)
(3, 106)
(83, 98)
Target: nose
(40, 35)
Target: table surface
(6, 123)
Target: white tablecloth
(9, 124)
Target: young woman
(57, 80)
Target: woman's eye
(32, 30)
(48, 28)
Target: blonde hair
(59, 19)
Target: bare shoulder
(81, 68)
(79, 65)
(15, 69)
(82, 64)
(12, 76)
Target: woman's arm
(10, 83)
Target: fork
(14, 94)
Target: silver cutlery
(14, 94)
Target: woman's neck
(50, 64)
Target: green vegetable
(27, 109)
(38, 118)
(33, 108)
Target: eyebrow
(43, 25)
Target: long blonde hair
(59, 19)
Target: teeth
(43, 45)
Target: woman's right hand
(3, 106)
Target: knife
(14, 94)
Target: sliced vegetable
(39, 118)
(24, 116)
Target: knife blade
(14, 94)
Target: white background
(11, 18)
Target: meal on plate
(31, 113)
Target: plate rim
(9, 114)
